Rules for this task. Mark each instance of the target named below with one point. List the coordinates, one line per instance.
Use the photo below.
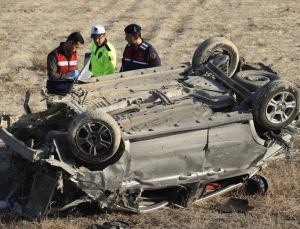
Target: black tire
(276, 104)
(256, 185)
(94, 136)
(253, 80)
(214, 46)
(267, 183)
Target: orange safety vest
(140, 59)
(63, 64)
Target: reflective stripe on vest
(103, 59)
(63, 64)
(140, 56)
(138, 62)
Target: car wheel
(215, 46)
(267, 183)
(253, 79)
(94, 136)
(276, 104)
(257, 185)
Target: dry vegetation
(39, 58)
(263, 30)
(11, 72)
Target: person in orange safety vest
(62, 65)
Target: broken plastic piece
(3, 204)
(115, 224)
(212, 186)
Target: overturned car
(141, 140)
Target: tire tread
(94, 116)
(203, 51)
(259, 97)
(253, 85)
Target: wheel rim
(93, 139)
(223, 67)
(281, 107)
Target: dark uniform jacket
(144, 57)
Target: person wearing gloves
(62, 65)
(103, 54)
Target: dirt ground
(263, 30)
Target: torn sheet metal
(25, 151)
(110, 178)
(64, 166)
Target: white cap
(97, 31)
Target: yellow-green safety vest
(104, 61)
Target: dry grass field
(263, 31)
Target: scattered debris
(115, 224)
(3, 204)
(235, 205)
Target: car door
(231, 149)
(168, 160)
